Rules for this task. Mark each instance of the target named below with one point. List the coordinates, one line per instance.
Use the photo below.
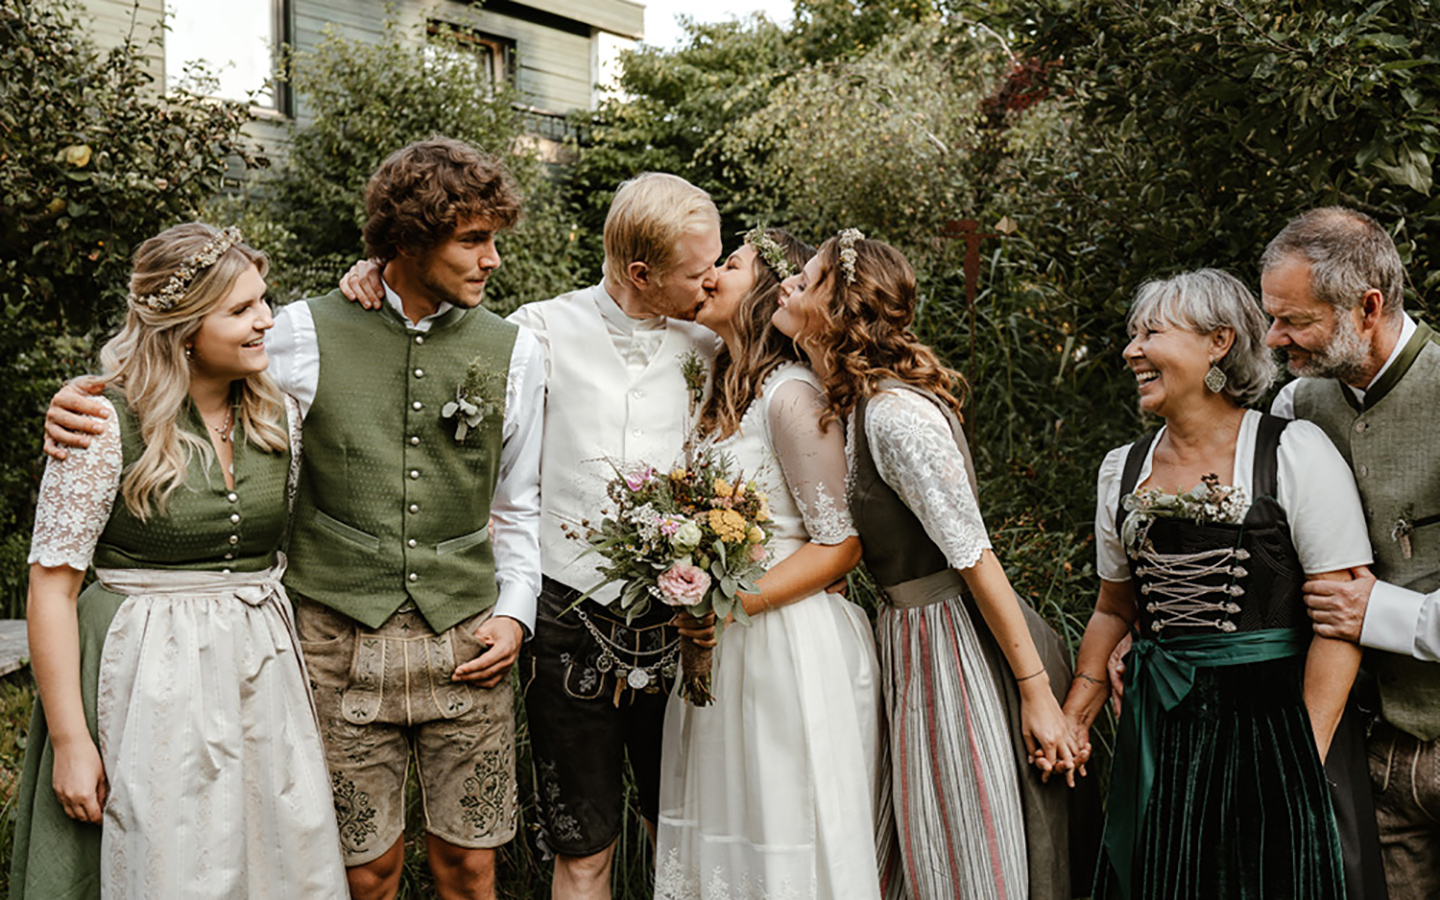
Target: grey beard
(1343, 357)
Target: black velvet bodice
(1249, 573)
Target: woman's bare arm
(79, 777)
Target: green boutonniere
(695, 377)
(479, 394)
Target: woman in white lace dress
(774, 790)
(912, 495)
(174, 752)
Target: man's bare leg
(583, 877)
(378, 879)
(461, 873)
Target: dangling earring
(1215, 379)
(190, 354)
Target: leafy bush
(93, 160)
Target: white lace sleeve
(812, 460)
(76, 496)
(915, 454)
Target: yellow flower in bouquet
(723, 488)
(728, 525)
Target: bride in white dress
(775, 790)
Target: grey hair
(1202, 302)
(1349, 253)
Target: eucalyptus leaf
(738, 610)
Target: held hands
(1080, 735)
(1049, 742)
(73, 416)
(501, 637)
(79, 780)
(1338, 607)
(363, 285)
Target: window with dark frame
(495, 55)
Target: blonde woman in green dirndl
(175, 751)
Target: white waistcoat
(598, 412)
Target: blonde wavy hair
(762, 348)
(864, 335)
(146, 361)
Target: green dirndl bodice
(205, 526)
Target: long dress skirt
(771, 792)
(1240, 806)
(957, 799)
(217, 780)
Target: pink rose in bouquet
(683, 584)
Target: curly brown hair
(423, 190)
(762, 348)
(864, 337)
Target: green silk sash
(1158, 676)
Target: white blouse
(1314, 487)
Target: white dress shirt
(295, 365)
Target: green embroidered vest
(205, 525)
(1390, 444)
(391, 509)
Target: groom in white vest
(615, 392)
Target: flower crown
(847, 239)
(179, 282)
(770, 251)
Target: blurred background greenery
(1104, 142)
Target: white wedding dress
(772, 792)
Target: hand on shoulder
(76, 412)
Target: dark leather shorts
(584, 721)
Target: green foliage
(93, 160)
(1203, 127)
(1116, 141)
(676, 110)
(370, 98)
(881, 141)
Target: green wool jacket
(1391, 446)
(391, 508)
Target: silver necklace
(222, 431)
